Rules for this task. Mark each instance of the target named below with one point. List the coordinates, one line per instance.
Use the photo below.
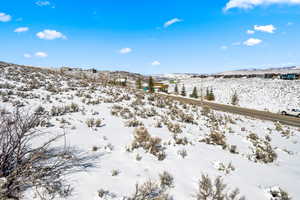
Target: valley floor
(253, 155)
(256, 93)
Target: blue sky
(151, 37)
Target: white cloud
(41, 54)
(125, 50)
(21, 29)
(4, 17)
(250, 32)
(155, 63)
(252, 42)
(42, 3)
(224, 47)
(50, 35)
(248, 4)
(267, 28)
(27, 55)
(172, 21)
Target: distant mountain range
(277, 70)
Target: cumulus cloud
(267, 28)
(50, 35)
(252, 42)
(250, 32)
(171, 22)
(125, 50)
(41, 54)
(27, 55)
(155, 63)
(248, 4)
(4, 17)
(42, 3)
(21, 29)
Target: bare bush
(25, 166)
(279, 194)
(59, 111)
(151, 144)
(133, 123)
(208, 190)
(262, 151)
(94, 122)
(149, 190)
(166, 180)
(174, 128)
(182, 153)
(215, 138)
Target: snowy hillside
(262, 94)
(136, 137)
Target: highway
(288, 120)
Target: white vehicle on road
(292, 112)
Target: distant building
(289, 76)
(158, 87)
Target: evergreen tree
(207, 94)
(151, 84)
(234, 99)
(183, 93)
(194, 93)
(211, 95)
(139, 84)
(176, 89)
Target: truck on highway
(292, 112)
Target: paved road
(288, 120)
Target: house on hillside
(271, 75)
(290, 76)
(158, 87)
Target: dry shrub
(150, 190)
(62, 110)
(265, 153)
(208, 190)
(94, 123)
(226, 168)
(125, 113)
(205, 111)
(215, 138)
(151, 144)
(253, 137)
(166, 180)
(40, 167)
(180, 141)
(279, 194)
(134, 123)
(174, 128)
(262, 151)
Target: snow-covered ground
(188, 135)
(256, 93)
